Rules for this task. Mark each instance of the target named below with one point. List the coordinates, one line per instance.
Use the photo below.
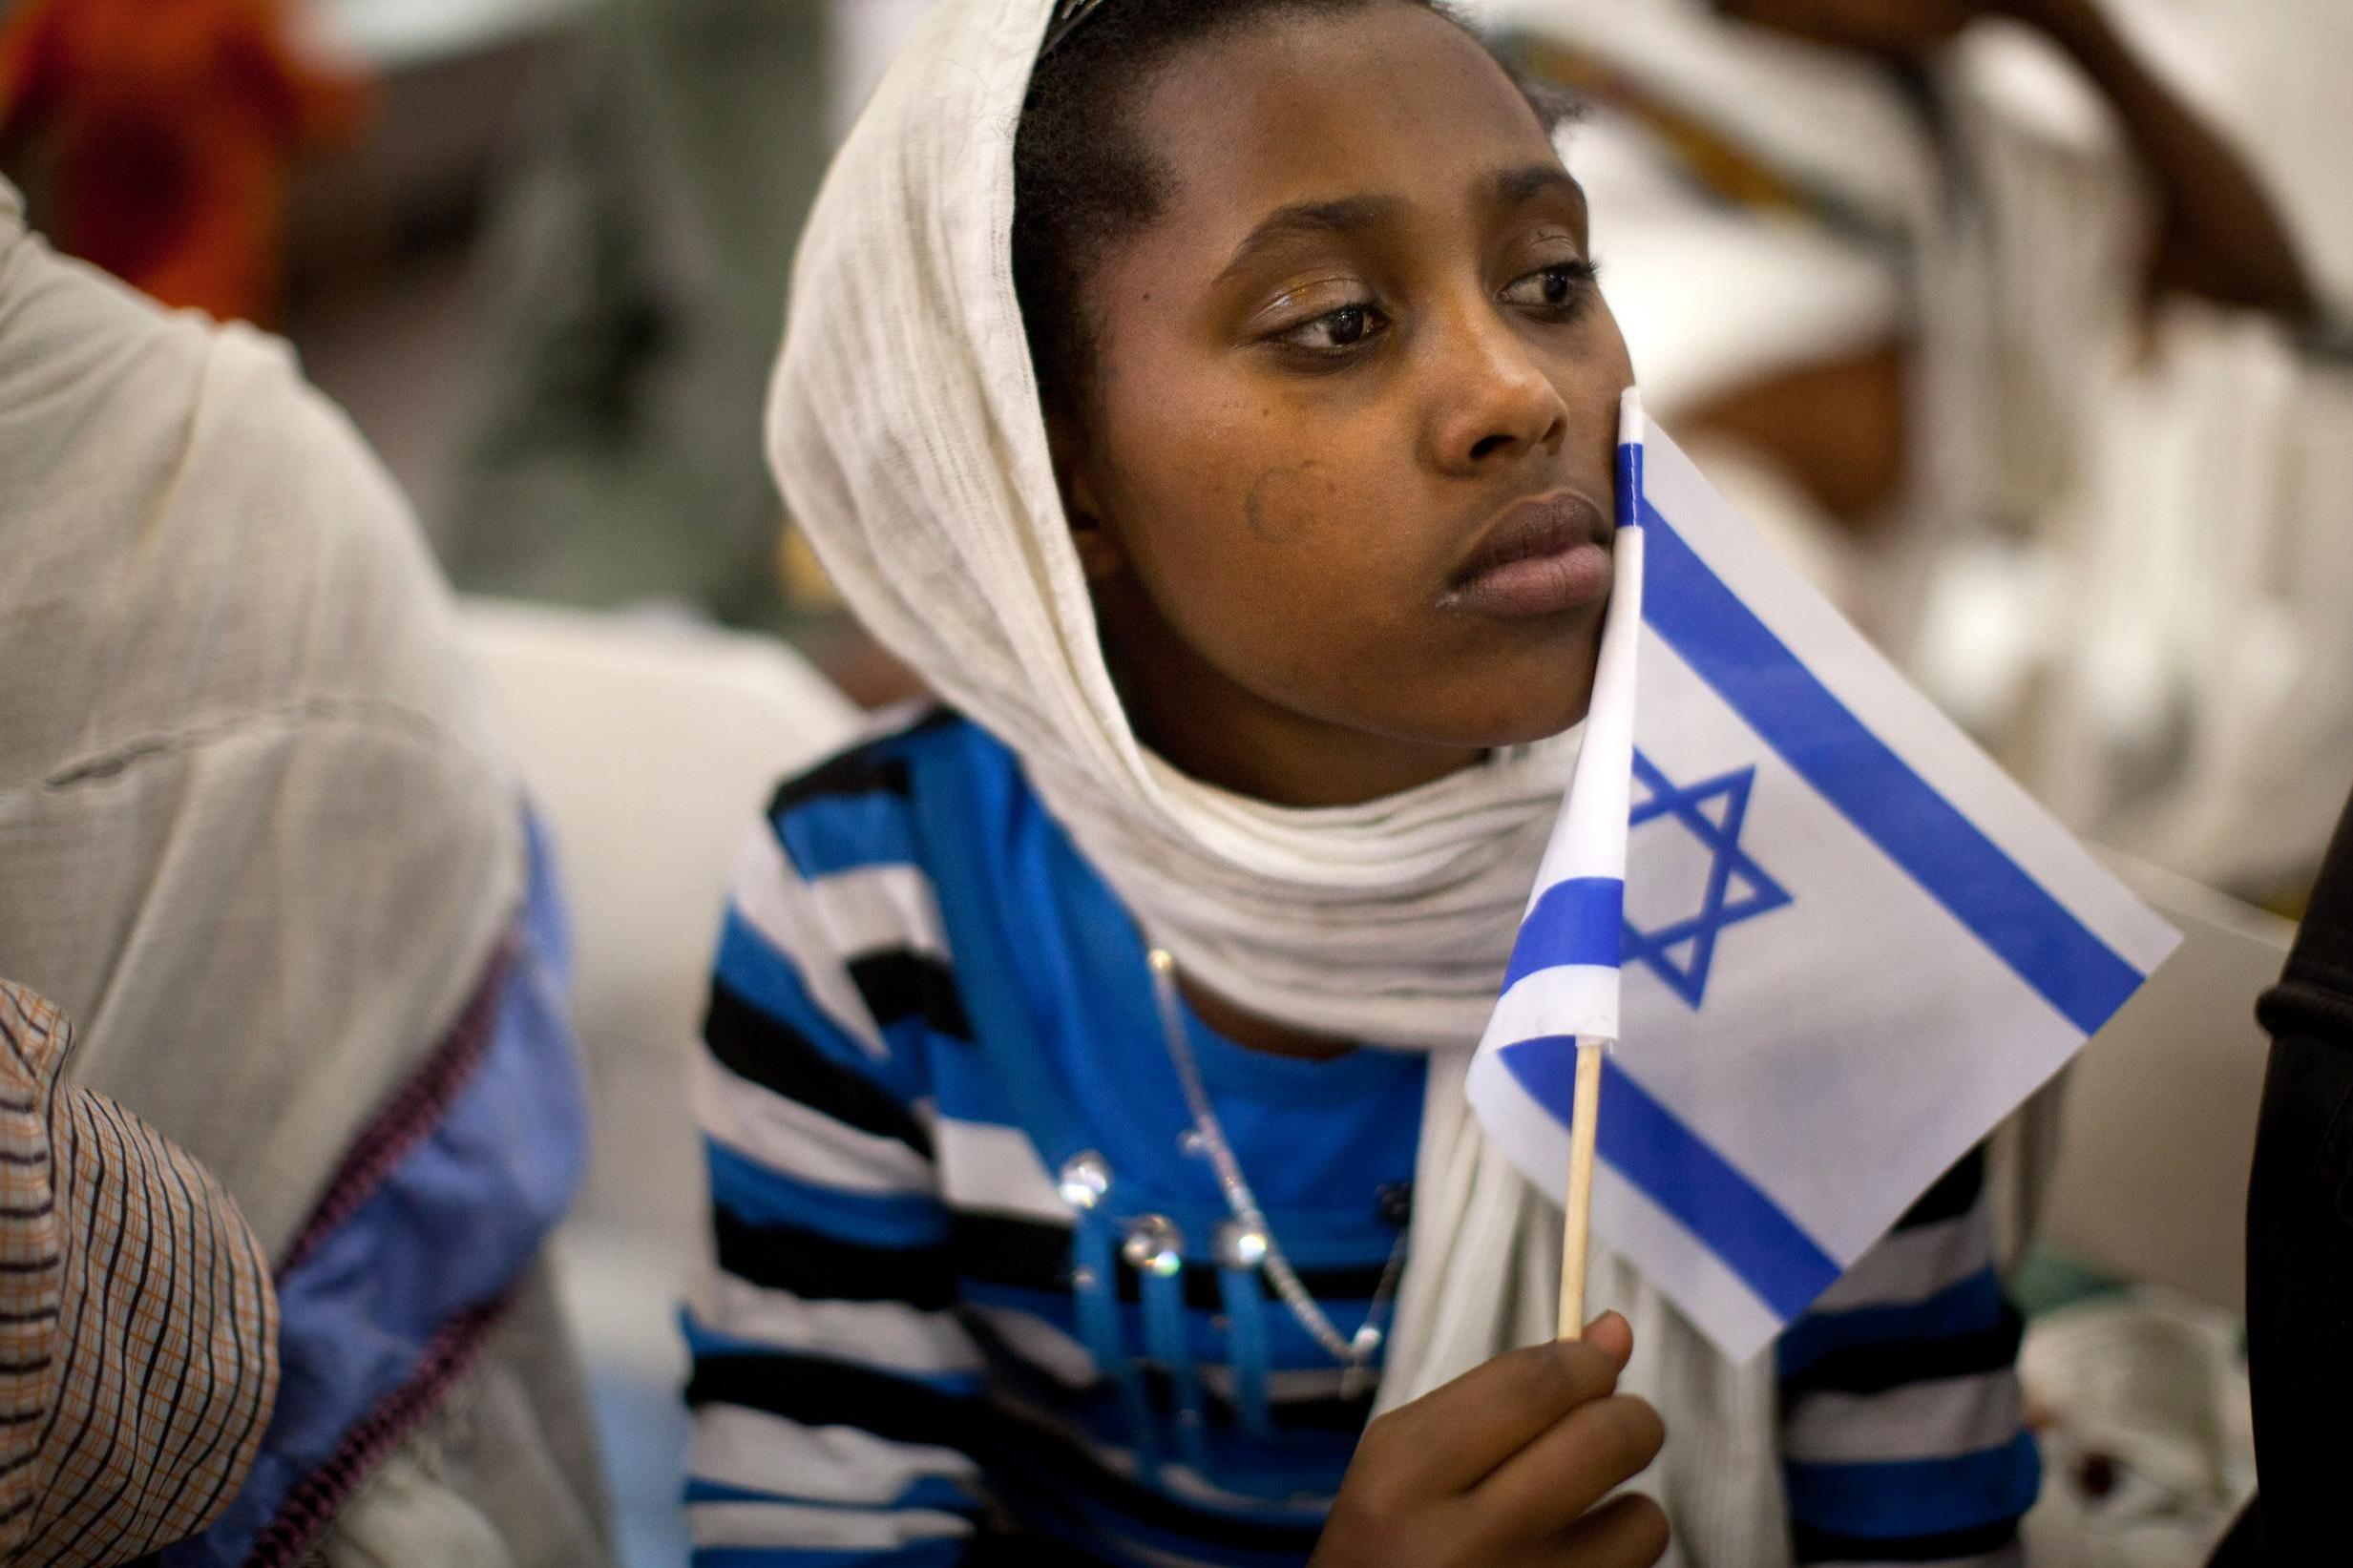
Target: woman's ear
(1099, 555)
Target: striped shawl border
(315, 1500)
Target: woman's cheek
(1290, 503)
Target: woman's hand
(1501, 1468)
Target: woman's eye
(1560, 287)
(1334, 330)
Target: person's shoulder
(164, 436)
(200, 542)
(877, 760)
(898, 753)
(838, 887)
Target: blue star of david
(1737, 887)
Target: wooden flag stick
(1577, 1214)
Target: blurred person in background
(2018, 351)
(637, 262)
(169, 131)
(258, 840)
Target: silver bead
(1191, 1144)
(1154, 1245)
(1366, 1341)
(1084, 1179)
(1241, 1246)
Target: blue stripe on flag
(1684, 1175)
(1915, 827)
(1630, 505)
(1581, 920)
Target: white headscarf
(906, 431)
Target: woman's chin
(1535, 705)
(1533, 727)
(1514, 715)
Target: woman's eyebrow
(1509, 187)
(1345, 215)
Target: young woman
(1216, 407)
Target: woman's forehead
(1309, 107)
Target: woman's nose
(1490, 396)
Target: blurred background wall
(540, 249)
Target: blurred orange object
(172, 128)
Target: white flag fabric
(1836, 944)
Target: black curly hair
(1083, 180)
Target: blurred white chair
(650, 749)
(2158, 1126)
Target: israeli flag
(1836, 945)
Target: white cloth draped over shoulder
(906, 431)
(259, 836)
(233, 708)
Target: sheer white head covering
(906, 431)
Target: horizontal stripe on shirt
(816, 1265)
(1933, 1548)
(768, 1523)
(937, 1553)
(1876, 1368)
(761, 1048)
(793, 1137)
(757, 1450)
(1907, 1497)
(1956, 1193)
(1909, 1266)
(890, 1335)
(768, 1197)
(899, 983)
(1913, 1421)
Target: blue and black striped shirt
(928, 1014)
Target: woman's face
(1344, 485)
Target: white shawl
(905, 428)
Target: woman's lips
(1541, 556)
